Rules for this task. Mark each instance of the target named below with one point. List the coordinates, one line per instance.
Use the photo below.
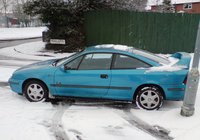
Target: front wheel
(149, 98)
(35, 91)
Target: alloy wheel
(35, 92)
(149, 98)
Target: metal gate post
(187, 108)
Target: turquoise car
(112, 72)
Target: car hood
(38, 65)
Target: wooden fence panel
(156, 32)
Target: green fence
(156, 32)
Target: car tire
(35, 91)
(149, 98)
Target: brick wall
(195, 8)
(179, 7)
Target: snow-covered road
(20, 33)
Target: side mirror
(67, 68)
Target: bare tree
(5, 4)
(19, 12)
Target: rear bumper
(174, 92)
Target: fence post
(187, 108)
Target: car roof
(141, 54)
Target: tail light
(185, 80)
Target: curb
(4, 84)
(20, 39)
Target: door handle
(104, 76)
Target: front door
(86, 76)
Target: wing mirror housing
(67, 68)
(64, 68)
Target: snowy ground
(21, 120)
(20, 33)
(45, 121)
(81, 121)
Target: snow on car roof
(112, 46)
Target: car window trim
(71, 56)
(112, 61)
(83, 56)
(73, 60)
(112, 68)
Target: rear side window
(126, 62)
(152, 56)
(96, 61)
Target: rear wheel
(35, 91)
(149, 98)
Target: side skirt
(90, 99)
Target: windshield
(151, 56)
(62, 60)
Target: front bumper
(15, 85)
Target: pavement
(10, 43)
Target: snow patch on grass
(5, 73)
(21, 33)
(33, 50)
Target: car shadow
(167, 105)
(108, 104)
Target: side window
(96, 61)
(126, 62)
(73, 65)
